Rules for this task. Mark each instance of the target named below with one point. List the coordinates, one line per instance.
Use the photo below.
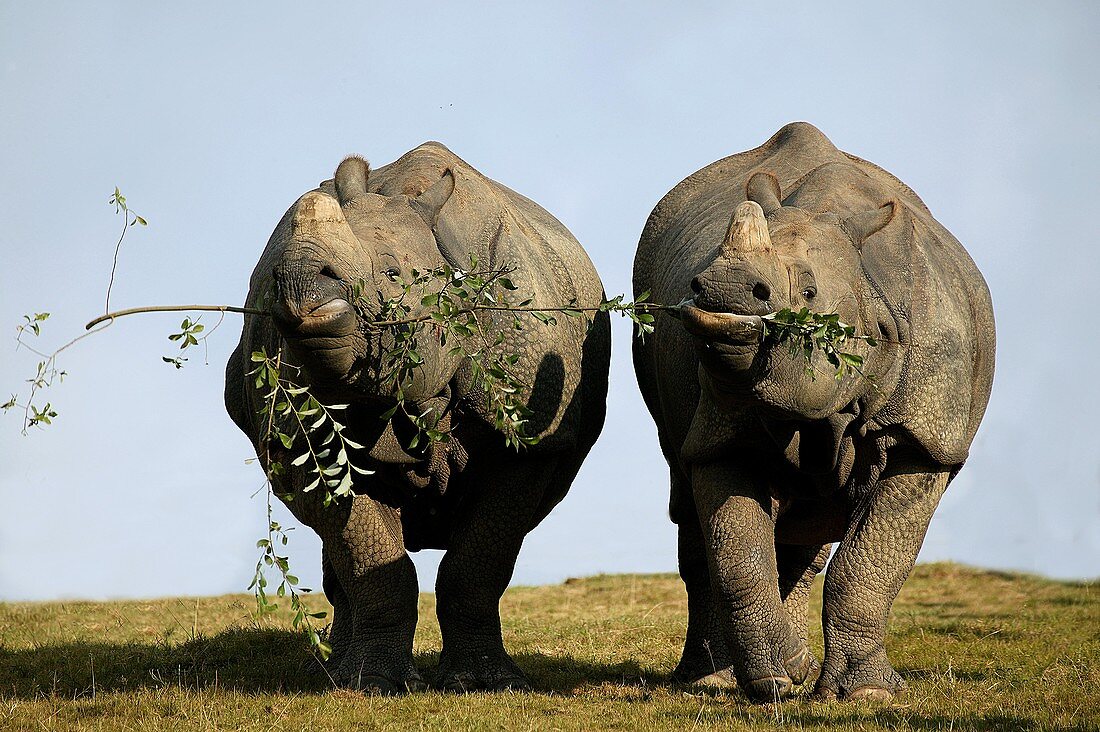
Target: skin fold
(471, 496)
(771, 465)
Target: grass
(981, 650)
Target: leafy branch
(461, 309)
(805, 331)
(453, 300)
(288, 584)
(291, 413)
(46, 373)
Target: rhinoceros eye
(809, 293)
(392, 272)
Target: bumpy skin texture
(472, 496)
(769, 466)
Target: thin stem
(114, 263)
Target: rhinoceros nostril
(761, 292)
(696, 285)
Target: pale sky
(213, 120)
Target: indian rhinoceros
(473, 495)
(771, 460)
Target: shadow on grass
(246, 660)
(890, 718)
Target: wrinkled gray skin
(770, 466)
(473, 497)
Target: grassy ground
(980, 650)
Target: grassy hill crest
(980, 650)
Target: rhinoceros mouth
(722, 327)
(327, 312)
(333, 318)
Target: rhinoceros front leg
(740, 538)
(372, 584)
(477, 567)
(865, 576)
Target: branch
(173, 309)
(643, 306)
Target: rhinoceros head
(329, 243)
(777, 256)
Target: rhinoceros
(471, 495)
(771, 461)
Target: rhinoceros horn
(747, 236)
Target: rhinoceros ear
(351, 179)
(865, 224)
(429, 203)
(449, 230)
(884, 238)
(763, 188)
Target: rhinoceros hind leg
(341, 628)
(798, 566)
(705, 659)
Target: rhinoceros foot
(377, 678)
(492, 672)
(872, 680)
(800, 667)
(376, 685)
(769, 688)
(715, 681)
(705, 663)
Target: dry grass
(981, 650)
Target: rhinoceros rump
(472, 495)
(769, 465)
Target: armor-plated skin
(769, 465)
(472, 496)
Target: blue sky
(213, 119)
